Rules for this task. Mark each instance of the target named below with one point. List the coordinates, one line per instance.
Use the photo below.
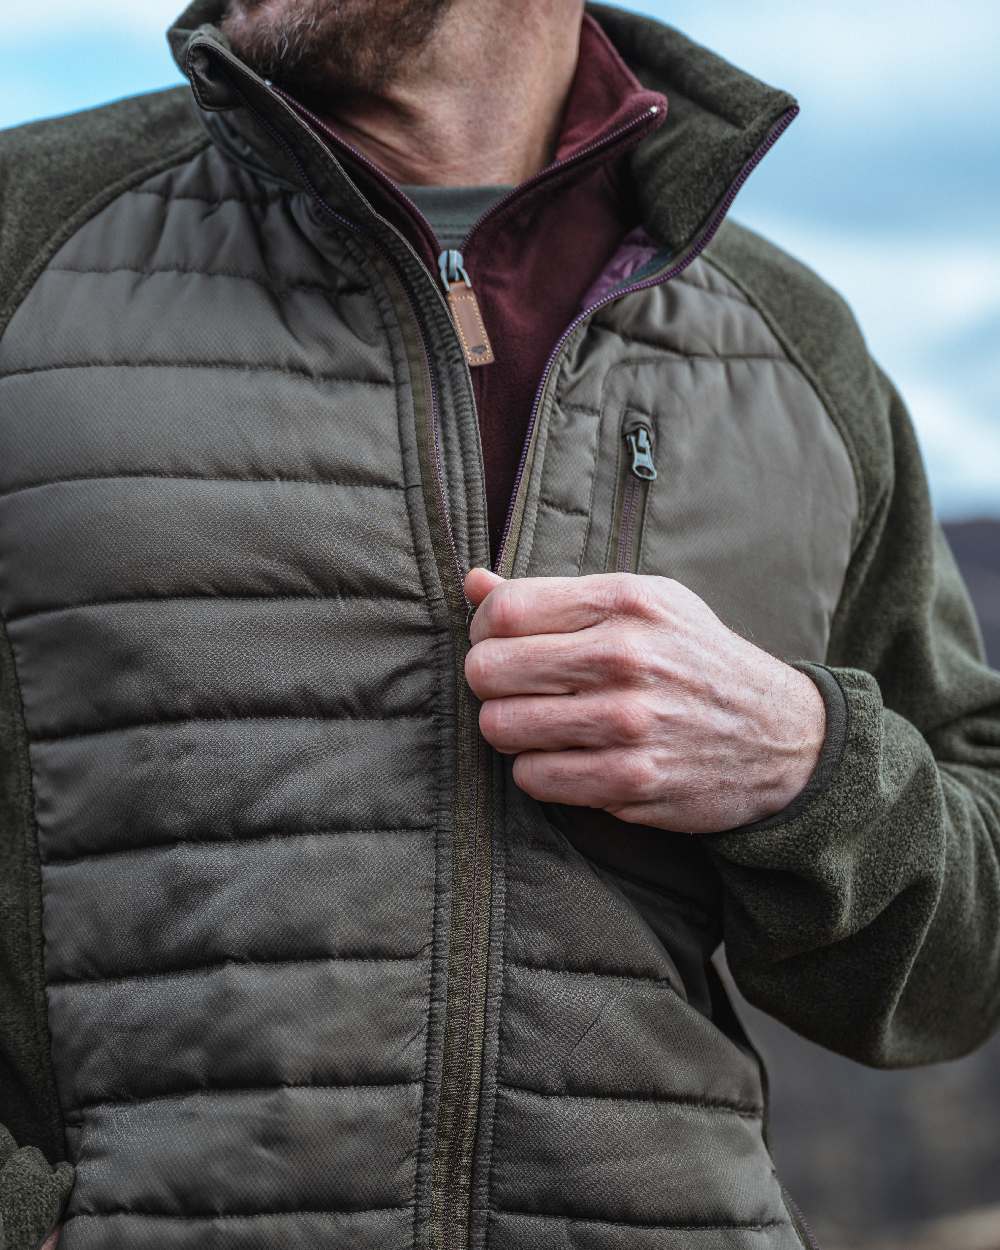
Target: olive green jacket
(285, 958)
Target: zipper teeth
(671, 272)
(625, 524)
(457, 1147)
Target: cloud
(914, 296)
(961, 445)
(898, 55)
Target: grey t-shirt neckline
(453, 211)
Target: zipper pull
(465, 310)
(641, 447)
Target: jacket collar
(720, 119)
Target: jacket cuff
(848, 793)
(32, 1194)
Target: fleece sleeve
(867, 915)
(32, 1195)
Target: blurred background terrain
(888, 184)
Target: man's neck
(481, 105)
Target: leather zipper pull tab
(465, 311)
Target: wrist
(800, 739)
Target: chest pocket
(725, 473)
(634, 478)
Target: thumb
(479, 583)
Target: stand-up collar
(719, 117)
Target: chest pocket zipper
(637, 472)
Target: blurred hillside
(976, 545)
(895, 1160)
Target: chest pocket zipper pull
(642, 453)
(465, 310)
(630, 504)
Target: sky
(888, 183)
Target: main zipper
(458, 1115)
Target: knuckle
(478, 666)
(630, 720)
(623, 657)
(672, 588)
(639, 774)
(680, 600)
(506, 610)
(628, 595)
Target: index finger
(544, 605)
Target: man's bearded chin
(331, 47)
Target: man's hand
(52, 1241)
(627, 693)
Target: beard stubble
(331, 47)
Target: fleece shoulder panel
(56, 174)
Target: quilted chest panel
(754, 501)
